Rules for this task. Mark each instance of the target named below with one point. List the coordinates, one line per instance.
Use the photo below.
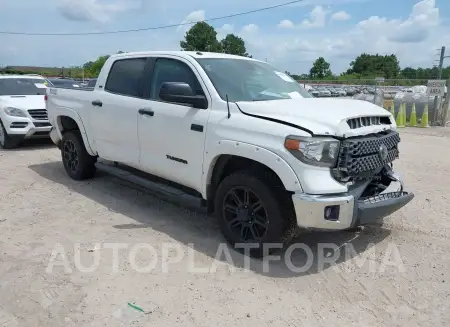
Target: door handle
(97, 103)
(197, 128)
(147, 112)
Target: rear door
(114, 111)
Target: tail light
(45, 97)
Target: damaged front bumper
(351, 209)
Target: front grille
(360, 158)
(18, 125)
(38, 114)
(42, 124)
(368, 121)
(41, 133)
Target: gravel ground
(395, 275)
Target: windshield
(64, 83)
(248, 80)
(22, 86)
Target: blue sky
(290, 37)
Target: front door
(172, 136)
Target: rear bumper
(348, 210)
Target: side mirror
(182, 93)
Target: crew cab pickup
(243, 138)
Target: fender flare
(252, 152)
(74, 115)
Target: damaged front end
(366, 165)
(378, 197)
(374, 191)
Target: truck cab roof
(184, 54)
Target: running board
(160, 190)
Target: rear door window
(125, 77)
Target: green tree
(446, 73)
(408, 72)
(235, 45)
(201, 37)
(92, 68)
(303, 76)
(320, 69)
(371, 66)
(295, 76)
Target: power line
(155, 27)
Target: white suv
(22, 109)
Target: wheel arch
(69, 120)
(232, 156)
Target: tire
(267, 203)
(8, 141)
(78, 163)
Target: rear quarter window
(125, 77)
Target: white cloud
(316, 18)
(412, 35)
(413, 39)
(414, 29)
(286, 23)
(340, 16)
(193, 17)
(250, 28)
(224, 30)
(305, 3)
(92, 10)
(227, 28)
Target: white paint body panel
(117, 132)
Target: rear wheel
(8, 141)
(254, 212)
(79, 164)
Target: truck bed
(78, 100)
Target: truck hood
(320, 116)
(23, 101)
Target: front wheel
(8, 141)
(254, 212)
(79, 164)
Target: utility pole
(441, 62)
(436, 99)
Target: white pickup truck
(245, 140)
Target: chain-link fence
(390, 92)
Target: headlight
(315, 151)
(14, 112)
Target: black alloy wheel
(245, 214)
(71, 155)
